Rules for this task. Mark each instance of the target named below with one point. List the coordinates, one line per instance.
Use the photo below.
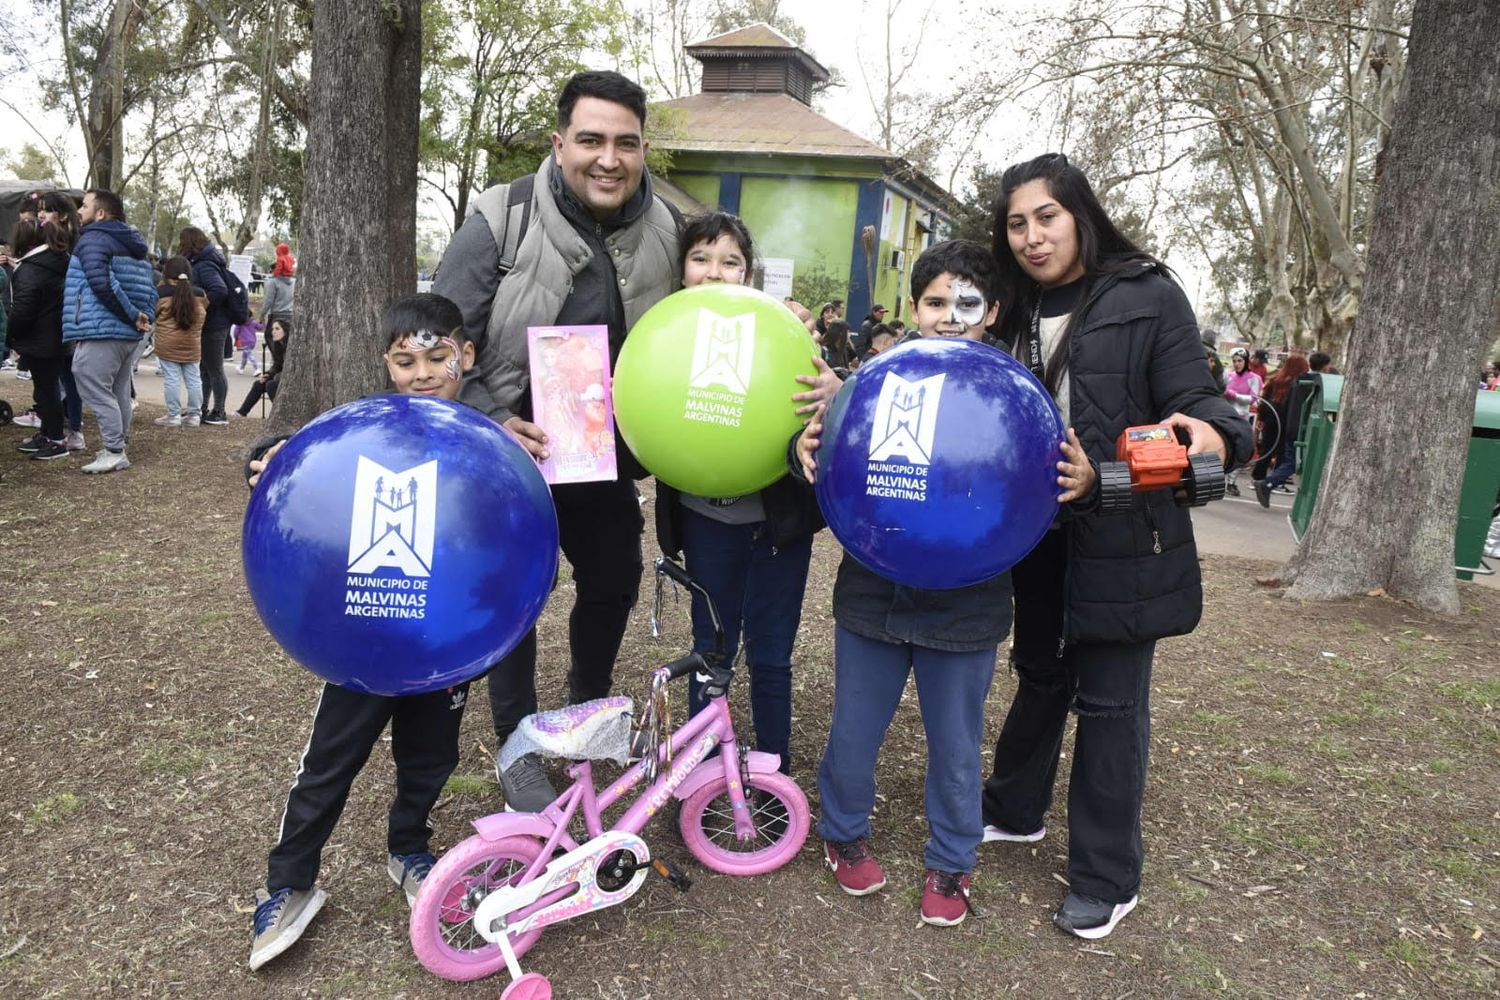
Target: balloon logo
(938, 463)
(400, 544)
(703, 389)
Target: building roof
(763, 123)
(755, 40)
(685, 203)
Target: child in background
(426, 354)
(244, 341)
(885, 632)
(180, 309)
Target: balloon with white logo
(938, 463)
(703, 388)
(400, 544)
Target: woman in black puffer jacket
(1113, 337)
(36, 328)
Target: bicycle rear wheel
(778, 809)
(442, 928)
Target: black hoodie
(36, 304)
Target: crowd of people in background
(83, 300)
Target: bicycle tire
(442, 931)
(707, 825)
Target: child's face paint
(951, 306)
(427, 364)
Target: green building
(817, 197)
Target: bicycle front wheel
(442, 926)
(777, 808)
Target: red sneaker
(945, 898)
(854, 867)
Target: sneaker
(409, 871)
(993, 833)
(191, 419)
(168, 420)
(1090, 918)
(1232, 489)
(1283, 488)
(7, 363)
(32, 444)
(23, 374)
(107, 461)
(280, 919)
(216, 418)
(854, 867)
(1263, 493)
(241, 369)
(50, 450)
(73, 441)
(27, 419)
(525, 785)
(945, 898)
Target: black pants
(257, 389)
(599, 526)
(211, 368)
(1108, 686)
(46, 393)
(424, 744)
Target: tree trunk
(1387, 510)
(106, 100)
(358, 234)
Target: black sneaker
(50, 450)
(32, 444)
(1090, 918)
(216, 418)
(1263, 492)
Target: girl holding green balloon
(750, 552)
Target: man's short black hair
(962, 259)
(423, 311)
(1319, 360)
(109, 201)
(606, 85)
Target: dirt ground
(1321, 819)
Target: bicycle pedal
(669, 872)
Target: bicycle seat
(590, 730)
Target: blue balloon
(400, 544)
(938, 463)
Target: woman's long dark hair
(184, 307)
(62, 204)
(1102, 248)
(30, 235)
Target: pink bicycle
(485, 903)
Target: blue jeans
(173, 374)
(757, 588)
(72, 402)
(869, 676)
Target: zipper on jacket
(1155, 534)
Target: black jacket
(36, 305)
(792, 514)
(1135, 357)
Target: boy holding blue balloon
(886, 631)
(427, 354)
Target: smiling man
(583, 242)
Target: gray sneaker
(280, 919)
(525, 786)
(107, 461)
(409, 871)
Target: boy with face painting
(886, 632)
(426, 355)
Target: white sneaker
(192, 419)
(107, 461)
(73, 440)
(168, 420)
(993, 833)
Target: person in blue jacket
(208, 274)
(109, 299)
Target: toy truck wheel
(1206, 479)
(1114, 487)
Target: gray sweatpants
(102, 369)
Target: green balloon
(703, 388)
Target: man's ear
(557, 141)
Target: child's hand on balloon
(808, 441)
(259, 465)
(825, 385)
(530, 435)
(1076, 472)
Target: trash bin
(1477, 496)
(1314, 441)
(1476, 502)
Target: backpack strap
(507, 209)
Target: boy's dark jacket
(792, 514)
